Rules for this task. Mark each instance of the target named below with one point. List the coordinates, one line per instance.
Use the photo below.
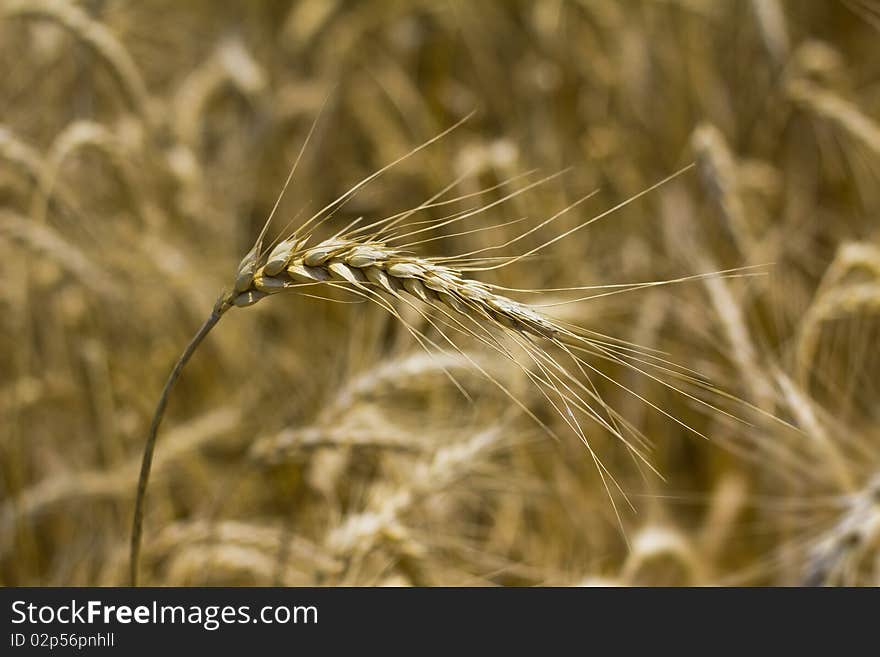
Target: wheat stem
(150, 446)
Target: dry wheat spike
(375, 262)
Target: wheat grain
(365, 264)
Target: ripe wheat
(374, 263)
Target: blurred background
(143, 144)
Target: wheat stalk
(365, 265)
(719, 172)
(372, 268)
(371, 262)
(803, 410)
(20, 154)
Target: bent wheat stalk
(147, 462)
(372, 263)
(362, 264)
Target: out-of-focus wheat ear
(410, 554)
(852, 257)
(49, 244)
(304, 20)
(842, 113)
(771, 22)
(655, 545)
(94, 35)
(360, 531)
(222, 305)
(718, 172)
(81, 135)
(29, 162)
(835, 557)
(837, 303)
(23, 156)
(288, 444)
(264, 541)
(230, 64)
(228, 564)
(193, 534)
(818, 61)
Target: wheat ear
(839, 111)
(848, 540)
(366, 261)
(345, 261)
(97, 37)
(220, 307)
(49, 244)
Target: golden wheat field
(608, 314)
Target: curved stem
(150, 446)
